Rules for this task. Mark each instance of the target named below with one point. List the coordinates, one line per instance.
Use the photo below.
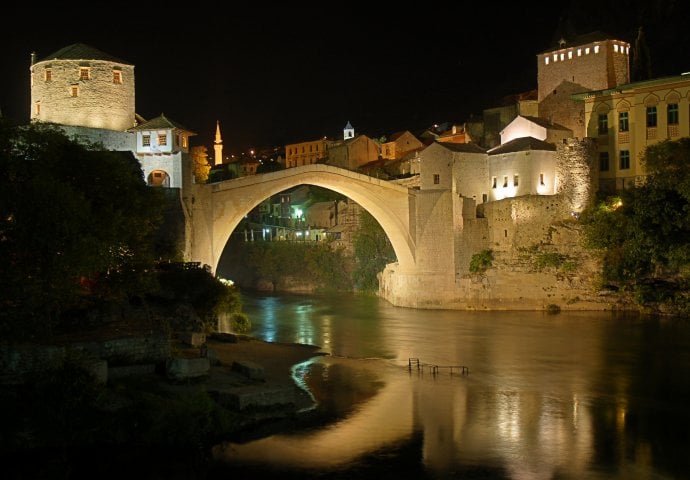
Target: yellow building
(305, 153)
(626, 119)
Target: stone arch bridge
(421, 237)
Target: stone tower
(589, 62)
(218, 146)
(593, 61)
(82, 86)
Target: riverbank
(63, 426)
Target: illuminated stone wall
(61, 97)
(111, 139)
(577, 172)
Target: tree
(72, 221)
(200, 163)
(644, 235)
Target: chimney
(33, 58)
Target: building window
(672, 114)
(541, 179)
(38, 108)
(74, 91)
(84, 73)
(623, 125)
(603, 124)
(177, 139)
(515, 180)
(603, 161)
(493, 182)
(546, 60)
(117, 77)
(162, 139)
(651, 116)
(596, 48)
(49, 74)
(146, 140)
(184, 141)
(505, 181)
(437, 178)
(625, 160)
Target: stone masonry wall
(16, 360)
(99, 103)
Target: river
(584, 395)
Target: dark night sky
(276, 74)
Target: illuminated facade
(90, 95)
(160, 144)
(306, 153)
(589, 62)
(625, 120)
(82, 86)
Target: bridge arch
(223, 205)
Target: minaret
(218, 146)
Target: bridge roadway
(218, 208)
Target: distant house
(399, 144)
(354, 152)
(306, 153)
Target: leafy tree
(644, 234)
(373, 251)
(72, 221)
(200, 164)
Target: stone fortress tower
(81, 86)
(91, 96)
(593, 61)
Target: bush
(240, 323)
(481, 261)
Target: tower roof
(349, 126)
(80, 51)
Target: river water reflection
(572, 395)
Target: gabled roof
(462, 147)
(522, 144)
(543, 122)
(160, 122)
(80, 51)
(348, 126)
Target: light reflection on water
(574, 395)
